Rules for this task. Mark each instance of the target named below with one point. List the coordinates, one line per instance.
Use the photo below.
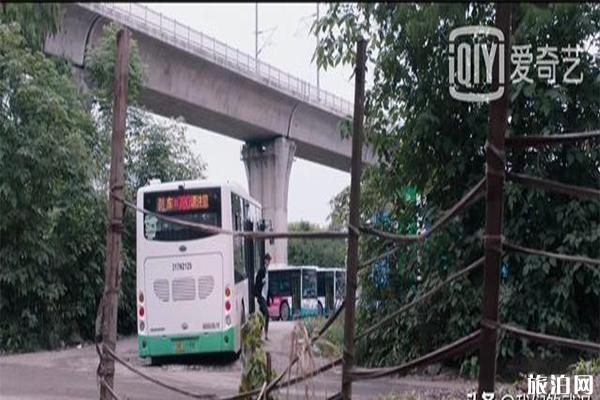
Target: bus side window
(238, 242)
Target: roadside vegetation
(326, 253)
(428, 141)
(331, 343)
(254, 356)
(54, 157)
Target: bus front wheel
(156, 361)
(284, 312)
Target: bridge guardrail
(184, 37)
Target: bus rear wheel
(156, 361)
(284, 312)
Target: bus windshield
(195, 205)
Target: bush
(254, 373)
(332, 342)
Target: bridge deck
(184, 37)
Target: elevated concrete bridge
(222, 89)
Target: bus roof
(331, 269)
(154, 186)
(285, 267)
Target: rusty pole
(352, 259)
(494, 206)
(112, 270)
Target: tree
(53, 171)
(327, 253)
(50, 264)
(153, 149)
(37, 20)
(426, 139)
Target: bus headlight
(228, 319)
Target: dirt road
(71, 374)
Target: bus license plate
(185, 346)
(179, 346)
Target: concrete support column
(268, 167)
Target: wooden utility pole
(352, 259)
(112, 272)
(494, 209)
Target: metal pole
(352, 268)
(494, 207)
(112, 272)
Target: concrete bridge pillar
(268, 167)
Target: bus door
(250, 258)
(329, 300)
(309, 302)
(294, 276)
(325, 288)
(340, 287)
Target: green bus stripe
(166, 345)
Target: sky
(286, 44)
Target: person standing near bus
(261, 291)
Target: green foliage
(37, 20)
(586, 367)
(54, 160)
(326, 253)
(50, 262)
(254, 373)
(332, 342)
(428, 140)
(101, 62)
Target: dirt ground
(71, 374)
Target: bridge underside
(276, 126)
(166, 105)
(208, 95)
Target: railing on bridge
(155, 24)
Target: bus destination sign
(184, 202)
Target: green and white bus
(192, 286)
(293, 292)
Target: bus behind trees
(192, 285)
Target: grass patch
(586, 367)
(331, 344)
